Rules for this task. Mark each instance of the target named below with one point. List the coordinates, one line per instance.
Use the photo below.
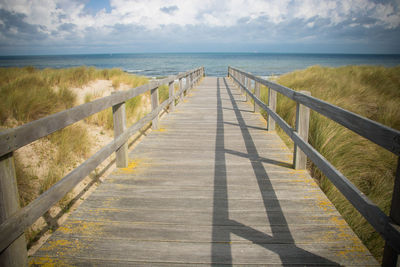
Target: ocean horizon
(215, 64)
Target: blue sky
(129, 26)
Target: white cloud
(216, 20)
(150, 14)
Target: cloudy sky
(125, 26)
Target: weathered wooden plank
(154, 105)
(119, 118)
(186, 252)
(196, 194)
(390, 255)
(112, 231)
(302, 126)
(171, 94)
(15, 254)
(257, 93)
(380, 134)
(201, 204)
(149, 175)
(272, 106)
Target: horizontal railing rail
(15, 222)
(12, 139)
(388, 138)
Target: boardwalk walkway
(212, 186)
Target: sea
(215, 64)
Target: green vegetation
(163, 93)
(27, 94)
(373, 92)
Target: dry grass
(373, 92)
(28, 94)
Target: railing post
(119, 118)
(186, 83)
(171, 95)
(257, 93)
(248, 86)
(272, 106)
(390, 256)
(302, 125)
(154, 105)
(241, 82)
(15, 254)
(180, 89)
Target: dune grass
(27, 94)
(371, 91)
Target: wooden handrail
(380, 134)
(387, 227)
(15, 224)
(12, 139)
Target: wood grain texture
(119, 119)
(257, 94)
(272, 106)
(15, 254)
(154, 105)
(226, 194)
(390, 255)
(171, 95)
(302, 127)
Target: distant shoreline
(201, 53)
(215, 64)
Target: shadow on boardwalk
(222, 253)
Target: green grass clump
(119, 78)
(29, 97)
(27, 94)
(163, 93)
(371, 91)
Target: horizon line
(248, 52)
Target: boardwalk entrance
(211, 186)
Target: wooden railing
(388, 138)
(14, 220)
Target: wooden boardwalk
(211, 187)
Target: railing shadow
(221, 245)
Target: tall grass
(163, 93)
(105, 118)
(28, 94)
(373, 92)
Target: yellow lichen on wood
(130, 169)
(81, 227)
(48, 262)
(62, 247)
(160, 130)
